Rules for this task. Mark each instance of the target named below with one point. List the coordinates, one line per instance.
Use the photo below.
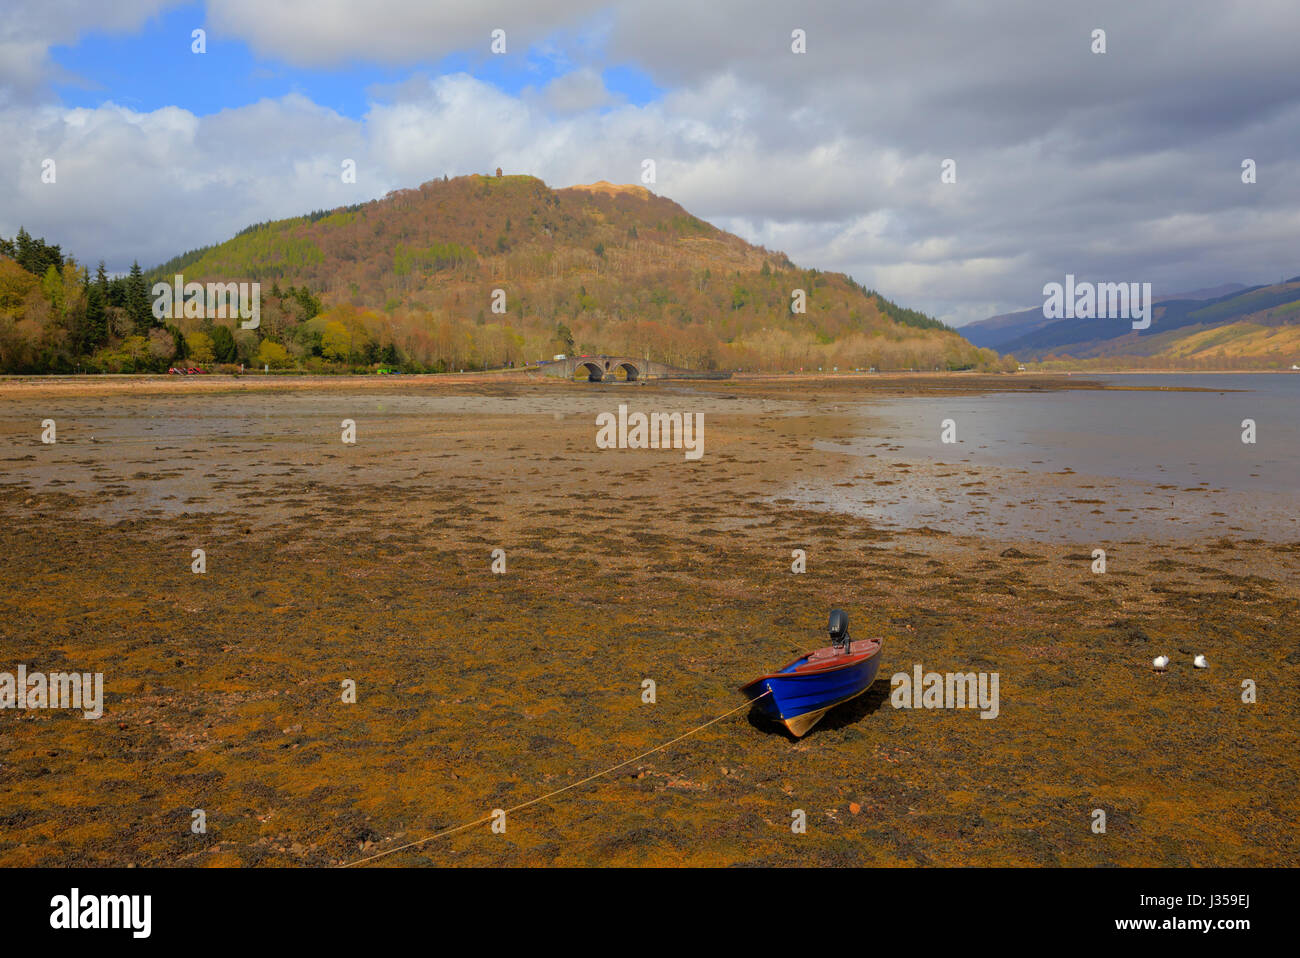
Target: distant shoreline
(1161, 372)
(158, 383)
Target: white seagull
(1160, 662)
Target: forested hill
(616, 268)
(473, 272)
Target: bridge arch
(594, 373)
(629, 370)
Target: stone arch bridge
(619, 368)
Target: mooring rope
(542, 798)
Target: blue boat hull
(799, 698)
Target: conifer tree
(224, 349)
(96, 327)
(94, 331)
(138, 308)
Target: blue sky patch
(156, 68)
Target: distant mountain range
(1226, 326)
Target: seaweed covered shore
(372, 563)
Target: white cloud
(30, 27)
(577, 92)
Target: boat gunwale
(834, 666)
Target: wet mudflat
(372, 562)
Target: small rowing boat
(798, 695)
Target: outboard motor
(839, 629)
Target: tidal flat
(372, 563)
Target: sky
(1115, 166)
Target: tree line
(56, 317)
